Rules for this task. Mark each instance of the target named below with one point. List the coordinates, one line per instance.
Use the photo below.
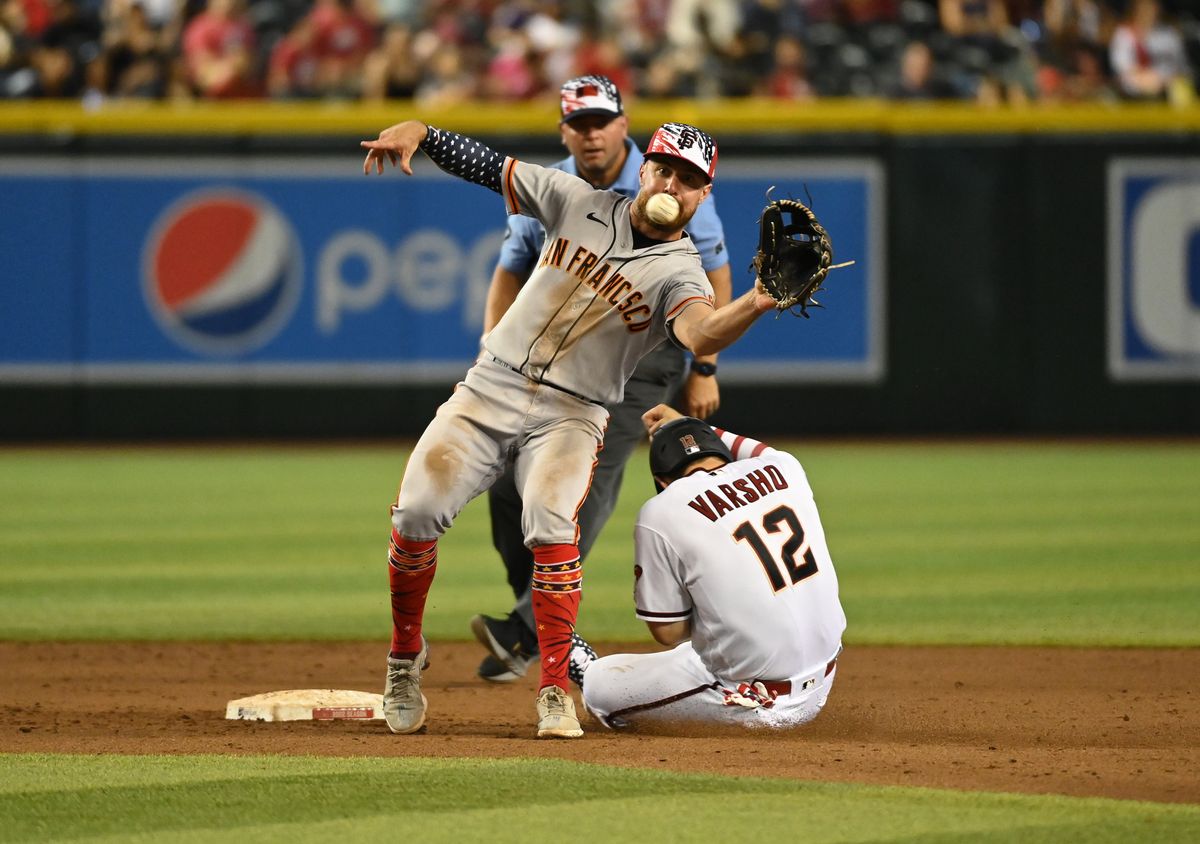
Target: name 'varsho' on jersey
(740, 550)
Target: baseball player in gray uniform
(732, 569)
(611, 284)
(595, 130)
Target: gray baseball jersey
(595, 304)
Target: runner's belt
(552, 386)
(784, 687)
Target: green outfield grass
(247, 799)
(1074, 544)
(1027, 543)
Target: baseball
(662, 209)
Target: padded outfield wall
(229, 272)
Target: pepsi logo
(222, 271)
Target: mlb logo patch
(1154, 270)
(689, 444)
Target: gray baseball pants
(498, 418)
(655, 381)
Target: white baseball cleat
(403, 704)
(556, 714)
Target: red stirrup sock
(557, 579)
(411, 566)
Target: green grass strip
(300, 799)
(1002, 543)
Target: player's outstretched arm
(701, 394)
(705, 330)
(457, 154)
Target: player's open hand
(657, 416)
(395, 143)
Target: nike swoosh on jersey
(591, 215)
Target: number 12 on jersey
(777, 520)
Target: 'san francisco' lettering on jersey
(609, 285)
(595, 303)
(715, 502)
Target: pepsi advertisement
(306, 271)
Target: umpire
(595, 130)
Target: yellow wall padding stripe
(741, 116)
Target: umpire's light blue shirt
(525, 236)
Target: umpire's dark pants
(655, 381)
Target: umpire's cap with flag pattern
(592, 94)
(681, 441)
(679, 140)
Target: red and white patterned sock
(411, 566)
(557, 582)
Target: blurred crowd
(448, 51)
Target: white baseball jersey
(740, 551)
(595, 304)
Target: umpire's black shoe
(513, 647)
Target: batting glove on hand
(750, 696)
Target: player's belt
(553, 386)
(784, 687)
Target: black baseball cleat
(495, 671)
(513, 647)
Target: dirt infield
(1112, 723)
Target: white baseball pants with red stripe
(674, 686)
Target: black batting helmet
(680, 441)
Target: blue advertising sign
(304, 270)
(1154, 269)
